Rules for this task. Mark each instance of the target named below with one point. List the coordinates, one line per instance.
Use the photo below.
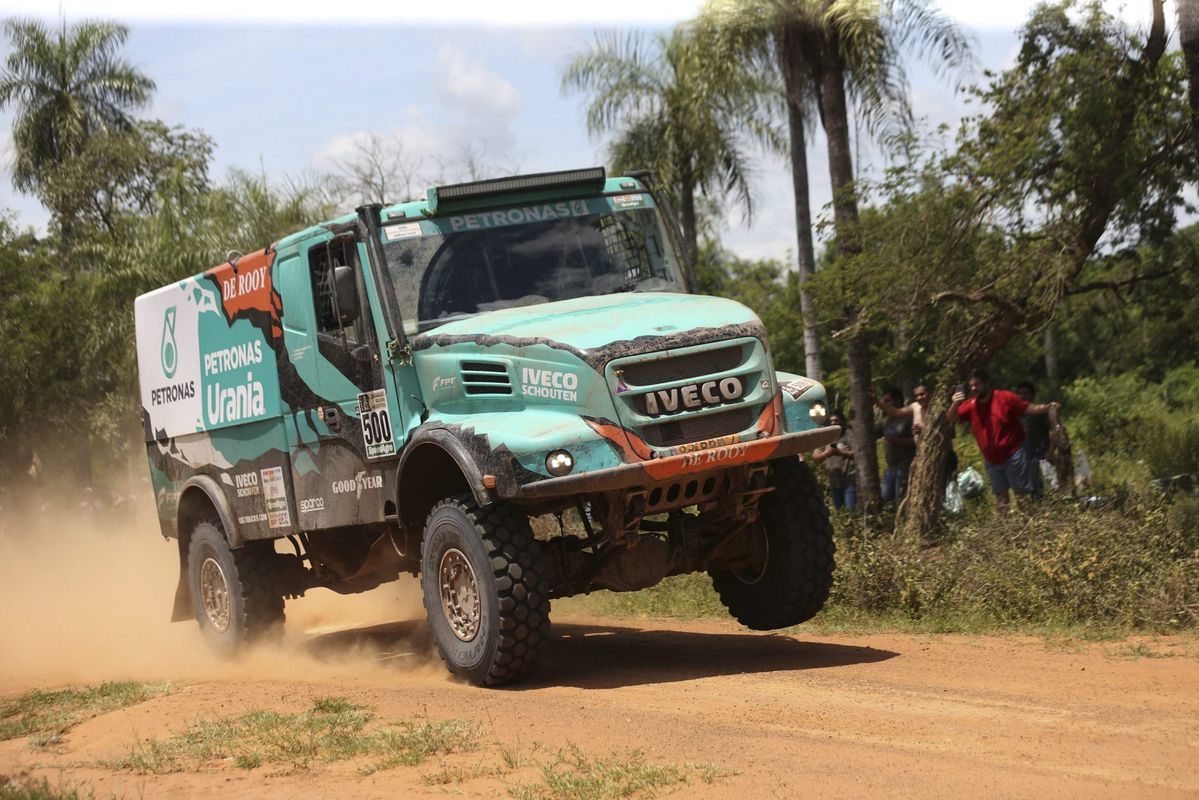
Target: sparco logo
(169, 352)
(695, 395)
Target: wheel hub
(753, 572)
(214, 591)
(459, 594)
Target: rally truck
(507, 387)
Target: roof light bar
(590, 178)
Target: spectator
(916, 410)
(838, 462)
(1036, 435)
(994, 416)
(899, 444)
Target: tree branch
(1008, 308)
(1117, 285)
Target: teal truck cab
(506, 388)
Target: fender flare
(445, 440)
(216, 495)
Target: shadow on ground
(602, 656)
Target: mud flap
(183, 610)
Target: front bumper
(673, 467)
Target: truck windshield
(447, 268)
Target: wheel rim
(214, 591)
(459, 594)
(752, 574)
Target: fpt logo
(169, 352)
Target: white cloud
(475, 124)
(467, 86)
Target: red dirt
(893, 714)
(784, 715)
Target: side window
(323, 259)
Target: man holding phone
(994, 415)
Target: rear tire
(234, 592)
(481, 575)
(793, 583)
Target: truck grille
(696, 429)
(667, 373)
(679, 368)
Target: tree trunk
(834, 114)
(1188, 36)
(806, 253)
(690, 225)
(1050, 344)
(862, 432)
(920, 513)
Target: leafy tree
(65, 85)
(678, 104)
(119, 176)
(1082, 150)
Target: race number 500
(376, 424)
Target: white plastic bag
(953, 499)
(970, 482)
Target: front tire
(234, 592)
(792, 582)
(481, 575)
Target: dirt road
(771, 715)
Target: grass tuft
(332, 729)
(573, 775)
(47, 715)
(13, 789)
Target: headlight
(818, 413)
(559, 463)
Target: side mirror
(347, 294)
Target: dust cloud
(86, 600)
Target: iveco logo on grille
(695, 395)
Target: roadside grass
(47, 715)
(13, 789)
(332, 729)
(573, 775)
(1054, 570)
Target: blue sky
(291, 99)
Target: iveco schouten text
(406, 388)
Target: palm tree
(837, 52)
(1188, 38)
(762, 33)
(66, 84)
(677, 105)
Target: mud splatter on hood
(597, 329)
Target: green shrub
(1134, 430)
(1133, 565)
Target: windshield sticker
(518, 216)
(407, 230)
(275, 492)
(628, 201)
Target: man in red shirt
(994, 414)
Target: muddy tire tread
(262, 606)
(518, 565)
(809, 555)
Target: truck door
(343, 435)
